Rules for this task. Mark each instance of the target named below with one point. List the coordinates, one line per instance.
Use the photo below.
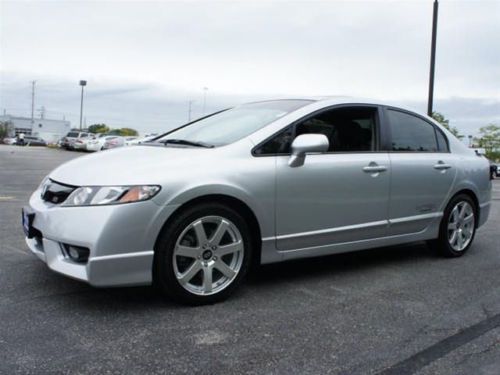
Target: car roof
(328, 100)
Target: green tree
(128, 132)
(124, 132)
(5, 129)
(490, 139)
(98, 128)
(446, 123)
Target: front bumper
(79, 146)
(120, 238)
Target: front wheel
(203, 255)
(457, 228)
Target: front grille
(56, 192)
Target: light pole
(32, 102)
(205, 89)
(83, 84)
(433, 58)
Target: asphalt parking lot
(392, 310)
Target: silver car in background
(259, 183)
(68, 142)
(113, 142)
(97, 144)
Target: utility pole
(83, 84)
(433, 58)
(42, 112)
(33, 102)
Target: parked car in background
(97, 144)
(30, 140)
(81, 144)
(262, 182)
(494, 169)
(113, 142)
(68, 142)
(9, 141)
(129, 141)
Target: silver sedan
(259, 183)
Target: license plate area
(27, 218)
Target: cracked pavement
(358, 313)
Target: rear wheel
(457, 228)
(203, 255)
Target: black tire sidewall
(444, 245)
(163, 270)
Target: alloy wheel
(208, 255)
(461, 226)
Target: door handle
(373, 168)
(440, 166)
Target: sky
(145, 61)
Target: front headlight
(45, 182)
(101, 195)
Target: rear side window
(442, 143)
(410, 133)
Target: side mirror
(304, 144)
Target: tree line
(489, 136)
(104, 129)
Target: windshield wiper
(186, 142)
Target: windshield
(233, 124)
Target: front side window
(348, 129)
(410, 133)
(233, 124)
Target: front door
(338, 196)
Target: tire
(195, 271)
(455, 239)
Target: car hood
(130, 165)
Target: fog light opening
(77, 254)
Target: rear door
(422, 172)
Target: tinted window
(278, 144)
(410, 133)
(441, 139)
(347, 129)
(72, 135)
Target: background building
(49, 130)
